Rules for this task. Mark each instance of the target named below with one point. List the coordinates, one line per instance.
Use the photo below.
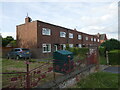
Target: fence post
(107, 57)
(69, 62)
(27, 78)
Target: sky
(92, 17)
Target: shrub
(111, 44)
(114, 56)
(102, 51)
(78, 51)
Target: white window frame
(91, 39)
(98, 40)
(46, 31)
(79, 37)
(80, 45)
(86, 38)
(70, 45)
(45, 45)
(94, 39)
(70, 35)
(63, 34)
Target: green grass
(11, 65)
(102, 60)
(99, 80)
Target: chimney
(75, 29)
(28, 19)
(98, 35)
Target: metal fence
(43, 73)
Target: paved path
(112, 69)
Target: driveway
(112, 69)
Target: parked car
(18, 53)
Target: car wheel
(17, 57)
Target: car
(18, 53)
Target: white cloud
(4, 34)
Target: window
(98, 40)
(91, 39)
(71, 45)
(46, 48)
(62, 34)
(70, 35)
(86, 38)
(79, 37)
(95, 39)
(79, 45)
(46, 31)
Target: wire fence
(45, 72)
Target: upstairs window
(79, 37)
(46, 48)
(86, 38)
(62, 34)
(91, 39)
(46, 31)
(70, 35)
(95, 39)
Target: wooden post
(27, 78)
(69, 62)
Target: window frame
(62, 35)
(44, 30)
(45, 45)
(86, 38)
(71, 35)
(79, 37)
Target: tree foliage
(111, 44)
(7, 40)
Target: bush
(114, 56)
(78, 51)
(102, 51)
(111, 44)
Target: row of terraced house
(44, 38)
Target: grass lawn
(11, 65)
(99, 80)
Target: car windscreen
(25, 49)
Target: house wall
(29, 35)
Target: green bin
(63, 61)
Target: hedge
(102, 51)
(114, 57)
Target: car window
(25, 49)
(17, 49)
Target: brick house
(44, 38)
(102, 37)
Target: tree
(7, 40)
(111, 44)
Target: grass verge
(99, 80)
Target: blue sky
(89, 17)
